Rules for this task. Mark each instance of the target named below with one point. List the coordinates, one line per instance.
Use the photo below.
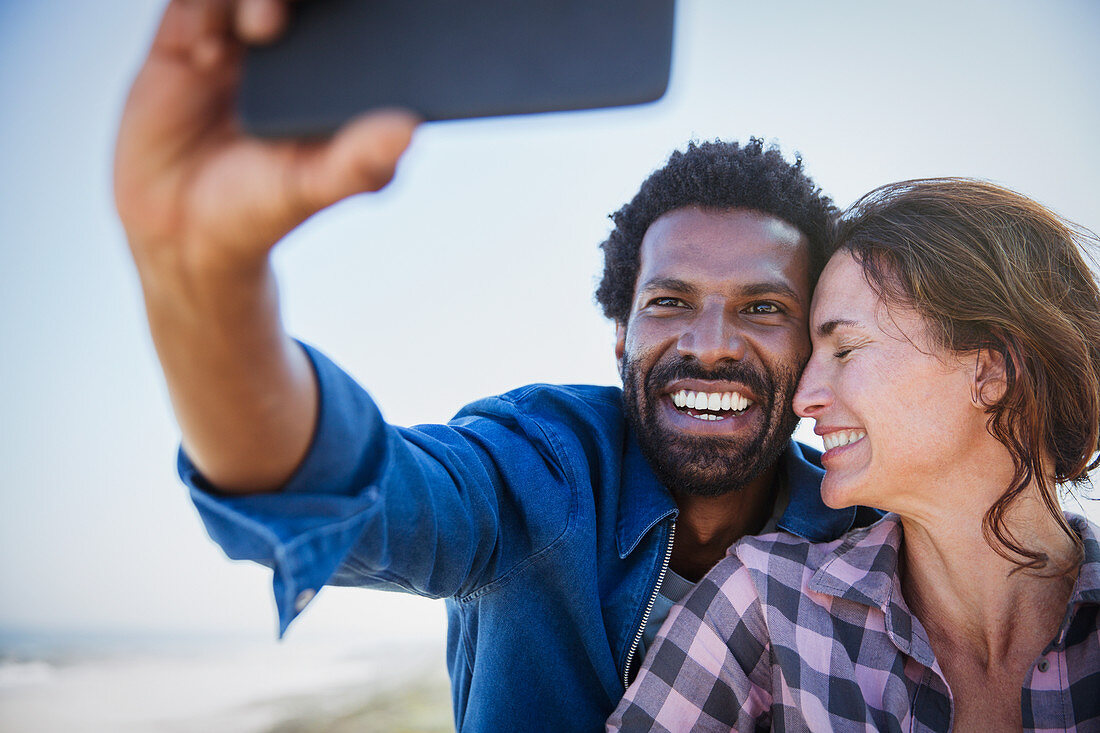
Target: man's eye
(763, 308)
(841, 353)
(667, 302)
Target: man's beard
(701, 465)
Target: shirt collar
(864, 568)
(1086, 591)
(644, 501)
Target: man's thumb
(362, 156)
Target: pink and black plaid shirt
(793, 635)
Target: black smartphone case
(448, 59)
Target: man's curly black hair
(715, 176)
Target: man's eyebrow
(775, 287)
(755, 290)
(668, 283)
(827, 328)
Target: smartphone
(450, 59)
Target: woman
(955, 380)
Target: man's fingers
(361, 157)
(369, 147)
(260, 21)
(188, 24)
(180, 25)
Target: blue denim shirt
(534, 513)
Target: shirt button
(1043, 665)
(306, 596)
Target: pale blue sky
(473, 273)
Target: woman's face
(894, 410)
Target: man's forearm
(203, 205)
(243, 391)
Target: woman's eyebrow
(827, 328)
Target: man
(559, 522)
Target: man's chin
(713, 465)
(701, 466)
(693, 456)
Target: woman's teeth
(712, 402)
(842, 437)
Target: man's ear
(620, 345)
(990, 378)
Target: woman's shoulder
(1088, 576)
(1086, 529)
(789, 560)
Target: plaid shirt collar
(1087, 589)
(864, 569)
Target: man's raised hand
(202, 205)
(192, 190)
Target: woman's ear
(990, 379)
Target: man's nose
(813, 394)
(713, 336)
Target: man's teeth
(842, 437)
(713, 401)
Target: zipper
(649, 606)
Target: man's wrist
(198, 276)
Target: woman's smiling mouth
(842, 437)
(836, 440)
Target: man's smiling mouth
(710, 405)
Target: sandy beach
(227, 684)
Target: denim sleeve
(421, 510)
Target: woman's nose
(813, 394)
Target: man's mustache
(686, 368)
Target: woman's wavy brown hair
(988, 268)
